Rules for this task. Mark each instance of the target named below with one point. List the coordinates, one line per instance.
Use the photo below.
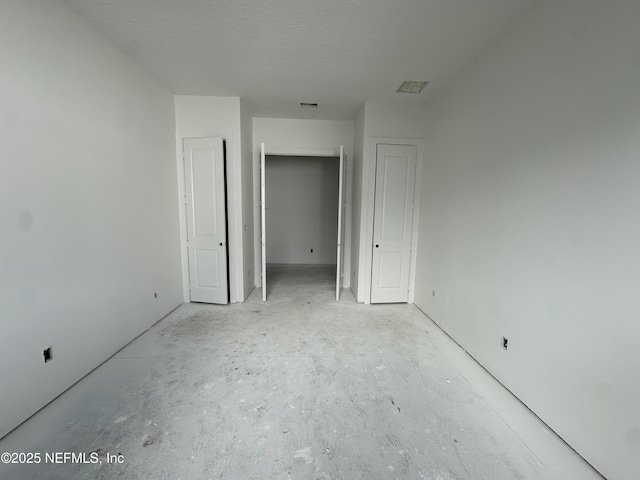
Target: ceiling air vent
(411, 87)
(308, 105)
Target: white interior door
(263, 222)
(393, 222)
(206, 220)
(341, 215)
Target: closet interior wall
(302, 209)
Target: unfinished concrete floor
(300, 387)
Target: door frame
(342, 211)
(368, 204)
(258, 227)
(263, 222)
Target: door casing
(262, 154)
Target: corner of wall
(90, 251)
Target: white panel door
(393, 222)
(206, 220)
(341, 216)
(263, 222)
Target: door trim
(366, 241)
(263, 222)
(301, 152)
(343, 240)
(340, 250)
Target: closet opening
(302, 206)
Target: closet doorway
(302, 205)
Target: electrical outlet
(505, 342)
(47, 355)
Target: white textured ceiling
(278, 53)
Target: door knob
(220, 243)
(377, 245)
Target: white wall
(199, 116)
(356, 207)
(248, 235)
(87, 203)
(300, 135)
(381, 120)
(530, 226)
(302, 209)
(397, 120)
